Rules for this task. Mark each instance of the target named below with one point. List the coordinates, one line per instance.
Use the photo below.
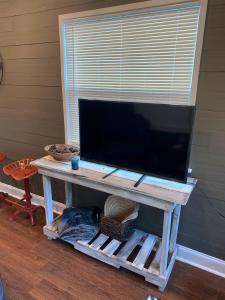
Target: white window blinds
(134, 56)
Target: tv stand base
(139, 180)
(107, 175)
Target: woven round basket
(119, 217)
(120, 208)
(62, 152)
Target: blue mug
(75, 162)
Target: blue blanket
(78, 224)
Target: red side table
(2, 158)
(22, 170)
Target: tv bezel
(138, 171)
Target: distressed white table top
(151, 189)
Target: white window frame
(123, 8)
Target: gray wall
(31, 114)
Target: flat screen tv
(151, 139)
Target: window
(139, 52)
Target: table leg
(174, 230)
(69, 194)
(48, 199)
(165, 242)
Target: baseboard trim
(187, 255)
(201, 260)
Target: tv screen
(151, 139)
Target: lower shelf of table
(140, 254)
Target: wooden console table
(156, 256)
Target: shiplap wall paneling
(32, 89)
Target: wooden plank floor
(33, 267)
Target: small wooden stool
(22, 170)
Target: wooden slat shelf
(105, 249)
